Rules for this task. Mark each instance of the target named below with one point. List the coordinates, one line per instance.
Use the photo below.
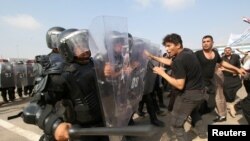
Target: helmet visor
(78, 42)
(54, 39)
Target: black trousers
(4, 94)
(206, 106)
(10, 92)
(147, 99)
(245, 103)
(247, 86)
(184, 105)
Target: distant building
(18, 59)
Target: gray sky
(23, 24)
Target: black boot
(19, 92)
(140, 108)
(4, 93)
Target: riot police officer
(75, 83)
(44, 62)
(30, 77)
(7, 84)
(112, 80)
(20, 72)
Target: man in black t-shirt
(208, 68)
(186, 79)
(208, 58)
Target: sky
(24, 23)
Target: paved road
(16, 130)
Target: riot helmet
(74, 45)
(52, 36)
(43, 60)
(137, 51)
(116, 41)
(38, 58)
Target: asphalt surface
(17, 130)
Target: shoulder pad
(70, 67)
(40, 86)
(55, 68)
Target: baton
(146, 130)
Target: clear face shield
(78, 44)
(54, 38)
(118, 45)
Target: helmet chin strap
(82, 60)
(55, 50)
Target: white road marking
(31, 136)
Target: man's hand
(62, 132)
(149, 55)
(242, 71)
(221, 69)
(159, 70)
(128, 70)
(108, 69)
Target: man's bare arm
(177, 83)
(233, 68)
(163, 60)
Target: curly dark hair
(172, 38)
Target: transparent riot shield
(138, 67)
(7, 75)
(155, 50)
(20, 75)
(109, 48)
(150, 77)
(30, 74)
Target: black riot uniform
(30, 78)
(43, 62)
(148, 79)
(149, 82)
(74, 83)
(7, 83)
(20, 72)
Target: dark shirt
(234, 60)
(208, 65)
(77, 83)
(186, 66)
(149, 78)
(73, 83)
(6, 75)
(55, 57)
